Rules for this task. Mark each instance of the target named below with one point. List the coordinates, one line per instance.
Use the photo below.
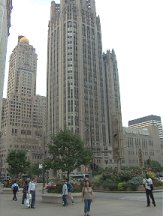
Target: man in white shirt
(64, 193)
(32, 191)
(148, 185)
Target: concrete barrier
(57, 198)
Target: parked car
(50, 184)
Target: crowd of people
(29, 193)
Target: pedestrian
(70, 190)
(148, 185)
(32, 191)
(25, 191)
(15, 189)
(87, 197)
(64, 193)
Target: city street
(104, 204)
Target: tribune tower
(76, 87)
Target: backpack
(69, 187)
(15, 188)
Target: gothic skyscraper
(76, 77)
(113, 105)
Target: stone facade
(141, 144)
(77, 80)
(23, 114)
(5, 12)
(113, 108)
(145, 122)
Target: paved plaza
(104, 204)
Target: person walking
(87, 197)
(32, 191)
(64, 193)
(70, 190)
(148, 185)
(15, 189)
(25, 191)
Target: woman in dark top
(25, 190)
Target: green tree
(67, 152)
(154, 165)
(34, 170)
(17, 162)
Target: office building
(146, 121)
(5, 17)
(23, 113)
(140, 145)
(78, 81)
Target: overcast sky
(133, 28)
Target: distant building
(82, 83)
(5, 17)
(147, 121)
(23, 114)
(141, 144)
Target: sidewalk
(113, 205)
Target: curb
(155, 191)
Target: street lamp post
(43, 166)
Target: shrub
(98, 182)
(58, 188)
(77, 188)
(122, 186)
(105, 184)
(157, 183)
(125, 174)
(151, 174)
(55, 189)
(135, 182)
(112, 185)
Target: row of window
(143, 153)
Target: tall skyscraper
(23, 113)
(77, 91)
(5, 13)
